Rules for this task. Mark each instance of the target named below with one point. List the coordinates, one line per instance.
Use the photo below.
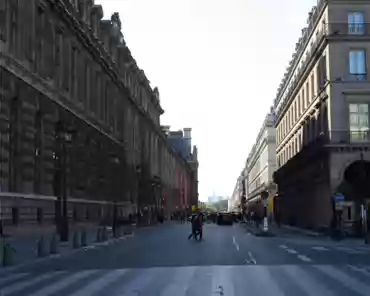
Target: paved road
(229, 262)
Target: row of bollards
(7, 253)
(46, 247)
(102, 234)
(79, 239)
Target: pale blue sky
(217, 64)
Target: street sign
(338, 197)
(363, 212)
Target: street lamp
(364, 213)
(138, 196)
(64, 136)
(116, 162)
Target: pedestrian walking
(194, 227)
(197, 221)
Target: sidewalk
(280, 231)
(258, 231)
(25, 244)
(293, 229)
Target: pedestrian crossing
(278, 280)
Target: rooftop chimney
(187, 132)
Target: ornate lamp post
(64, 137)
(116, 162)
(138, 191)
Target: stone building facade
(79, 118)
(322, 119)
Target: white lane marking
(361, 288)
(349, 250)
(304, 258)
(291, 251)
(10, 278)
(100, 284)
(320, 248)
(222, 281)
(362, 270)
(263, 282)
(283, 247)
(180, 283)
(251, 258)
(236, 244)
(344, 249)
(306, 282)
(16, 287)
(89, 248)
(52, 289)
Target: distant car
(225, 219)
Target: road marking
(350, 250)
(235, 243)
(64, 283)
(304, 258)
(283, 247)
(11, 277)
(16, 287)
(359, 269)
(251, 258)
(99, 284)
(291, 251)
(320, 248)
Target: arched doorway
(357, 179)
(356, 189)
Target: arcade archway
(355, 187)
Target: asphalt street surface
(161, 261)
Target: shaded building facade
(260, 167)
(181, 141)
(322, 118)
(78, 118)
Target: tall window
(3, 19)
(14, 143)
(357, 64)
(359, 122)
(38, 151)
(356, 23)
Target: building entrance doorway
(356, 189)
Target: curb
(303, 231)
(259, 232)
(4, 270)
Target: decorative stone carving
(156, 93)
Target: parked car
(225, 219)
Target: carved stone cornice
(96, 48)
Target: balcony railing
(349, 137)
(347, 29)
(329, 30)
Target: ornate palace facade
(78, 118)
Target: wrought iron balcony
(289, 84)
(348, 29)
(349, 137)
